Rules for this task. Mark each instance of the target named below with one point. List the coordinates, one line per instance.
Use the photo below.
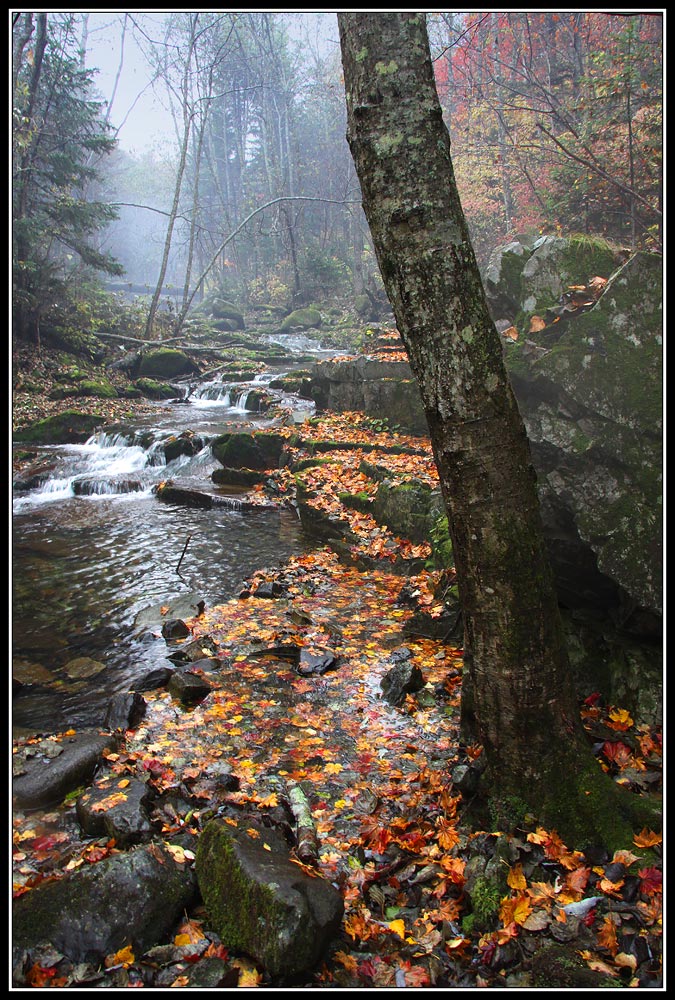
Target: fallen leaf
(647, 838)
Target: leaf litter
(377, 776)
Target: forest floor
(389, 820)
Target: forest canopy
(555, 122)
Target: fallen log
(307, 849)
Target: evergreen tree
(59, 134)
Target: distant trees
(57, 126)
(556, 121)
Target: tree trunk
(516, 668)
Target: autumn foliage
(378, 777)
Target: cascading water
(95, 558)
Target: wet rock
(155, 678)
(175, 628)
(131, 898)
(262, 904)
(46, 782)
(190, 688)
(125, 710)
(120, 813)
(195, 650)
(403, 678)
(83, 667)
(185, 444)
(87, 486)
(313, 662)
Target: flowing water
(96, 557)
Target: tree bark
(516, 668)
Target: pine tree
(59, 135)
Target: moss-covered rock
(262, 904)
(302, 319)
(223, 310)
(409, 509)
(165, 362)
(98, 388)
(130, 898)
(152, 389)
(69, 427)
(239, 450)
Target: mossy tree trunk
(516, 666)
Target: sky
(137, 109)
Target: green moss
(152, 389)
(69, 427)
(486, 895)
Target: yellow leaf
(333, 768)
(522, 910)
(515, 879)
(626, 961)
(123, 783)
(398, 926)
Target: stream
(97, 560)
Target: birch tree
(517, 684)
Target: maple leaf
(617, 753)
(647, 838)
(248, 974)
(515, 878)
(619, 719)
(189, 932)
(398, 927)
(607, 935)
(651, 880)
(347, 960)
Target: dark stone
(124, 816)
(188, 687)
(175, 628)
(125, 711)
(316, 663)
(47, 782)
(134, 898)
(155, 678)
(403, 678)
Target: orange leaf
(123, 957)
(647, 838)
(511, 333)
(536, 324)
(619, 719)
(607, 936)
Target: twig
(187, 542)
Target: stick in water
(187, 542)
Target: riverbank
(427, 902)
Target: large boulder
(378, 388)
(592, 406)
(133, 898)
(165, 363)
(262, 904)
